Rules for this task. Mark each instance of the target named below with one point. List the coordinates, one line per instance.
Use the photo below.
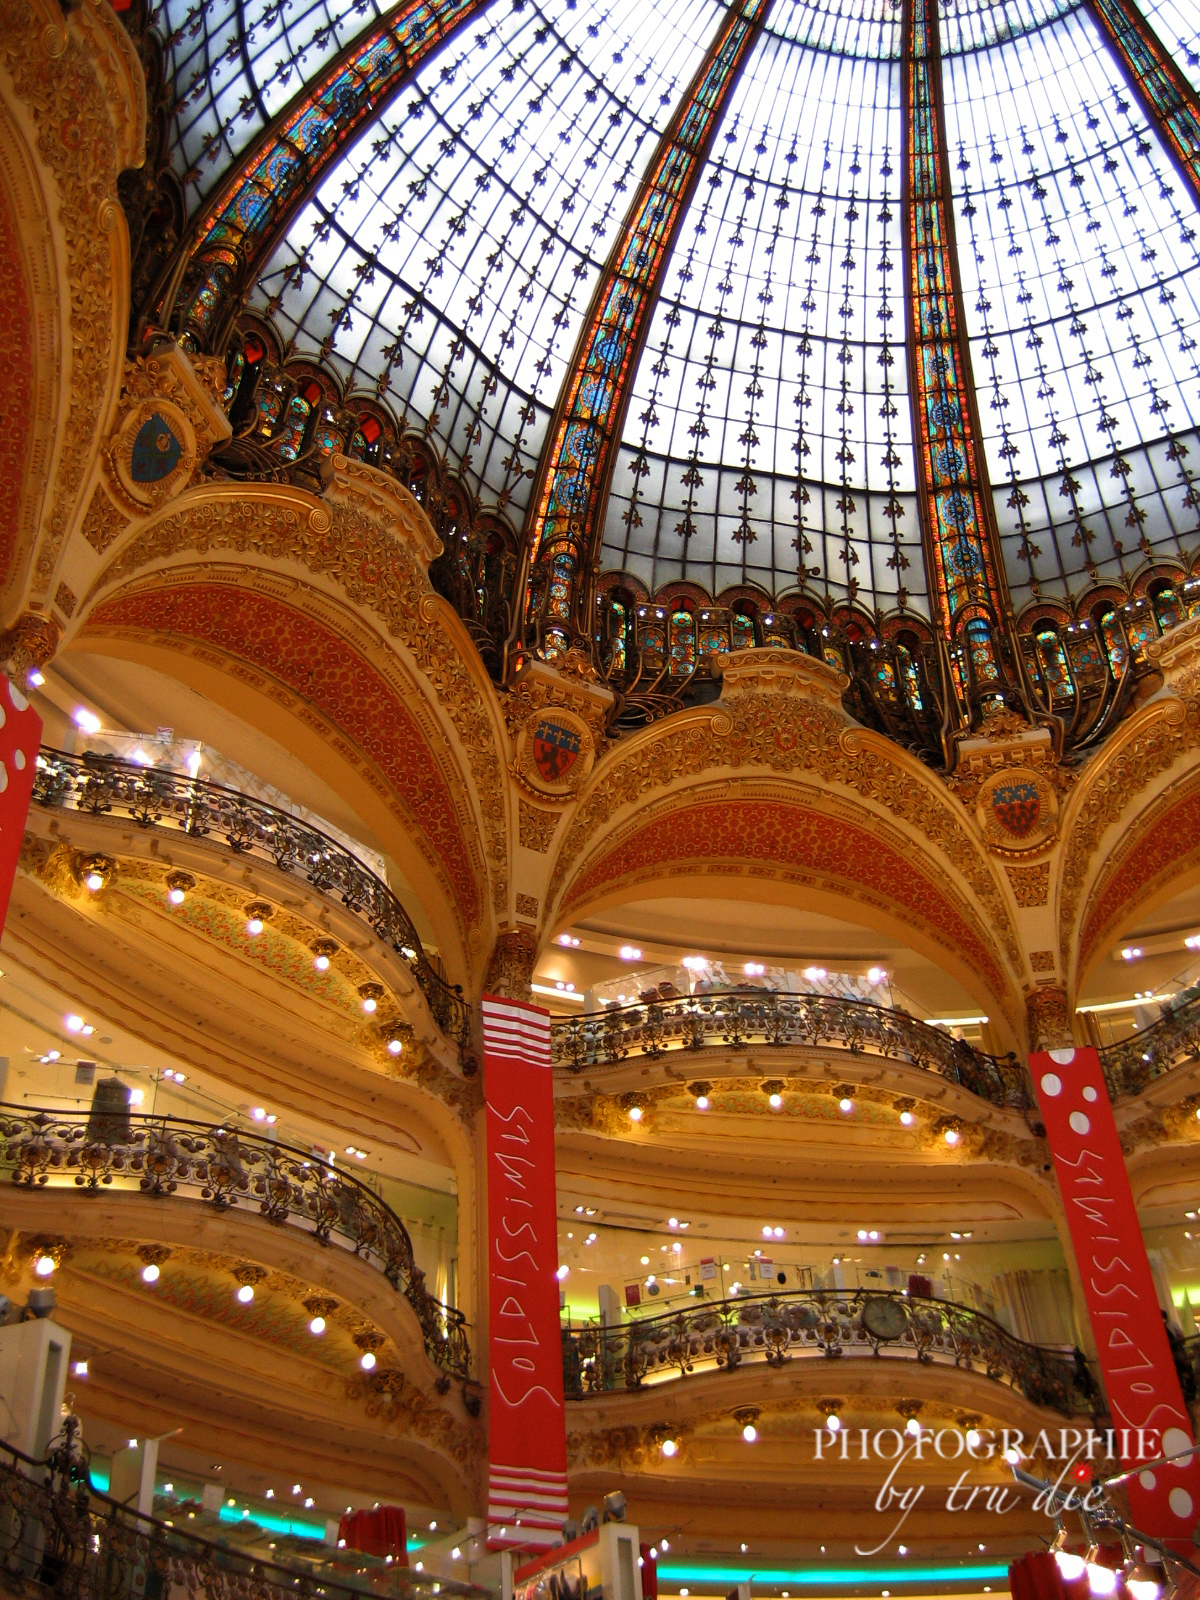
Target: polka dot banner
(1149, 1418)
(20, 736)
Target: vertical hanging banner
(527, 1477)
(1149, 1416)
(20, 736)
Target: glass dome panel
(779, 340)
(237, 63)
(1177, 24)
(1078, 253)
(448, 257)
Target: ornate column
(967, 586)
(228, 241)
(563, 530)
(1167, 99)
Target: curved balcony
(736, 1018)
(830, 1323)
(1133, 1063)
(62, 1537)
(164, 1157)
(155, 798)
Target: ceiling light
(150, 1274)
(912, 1426)
(308, 1500)
(80, 1369)
(766, 1230)
(635, 1113)
(672, 1222)
(629, 952)
(317, 1325)
(73, 1023)
(562, 1272)
(367, 1361)
(750, 1433)
(754, 969)
(254, 927)
(669, 1447)
(395, 1045)
(246, 1293)
(952, 1136)
(369, 1004)
(1193, 943)
(567, 941)
(1131, 952)
(695, 963)
(862, 1234)
(815, 974)
(846, 1105)
(44, 1266)
(176, 896)
(876, 974)
(321, 963)
(833, 1423)
(775, 1102)
(296, 1489)
(701, 1102)
(906, 1117)
(36, 678)
(85, 719)
(258, 1113)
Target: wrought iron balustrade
(829, 1323)
(227, 1168)
(1134, 1062)
(736, 1018)
(154, 797)
(61, 1537)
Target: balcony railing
(154, 797)
(225, 1168)
(736, 1018)
(59, 1536)
(829, 1323)
(1130, 1065)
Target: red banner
(1149, 1416)
(527, 1481)
(20, 736)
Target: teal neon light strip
(825, 1577)
(299, 1530)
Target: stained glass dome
(444, 263)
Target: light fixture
(246, 1293)
(80, 1369)
(952, 1136)
(562, 1272)
(254, 927)
(44, 1266)
(1131, 952)
(669, 1447)
(317, 1325)
(629, 952)
(754, 969)
(876, 974)
(695, 963)
(178, 884)
(370, 994)
(701, 1102)
(323, 952)
(308, 1500)
(150, 1273)
(750, 1433)
(815, 974)
(775, 1102)
(297, 1489)
(270, 1495)
(567, 941)
(258, 1113)
(833, 1423)
(906, 1118)
(35, 678)
(73, 1023)
(635, 1113)
(665, 1543)
(912, 1426)
(846, 1105)
(94, 881)
(1101, 1580)
(645, 1261)
(367, 1360)
(85, 719)
(395, 1044)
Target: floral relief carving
(786, 734)
(52, 72)
(535, 826)
(345, 541)
(1030, 885)
(103, 524)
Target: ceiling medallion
(154, 453)
(1017, 809)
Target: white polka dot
(1089, 1093)
(1180, 1502)
(1147, 1480)
(1063, 1058)
(3, 777)
(18, 699)
(19, 760)
(1079, 1122)
(1051, 1084)
(1174, 1440)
